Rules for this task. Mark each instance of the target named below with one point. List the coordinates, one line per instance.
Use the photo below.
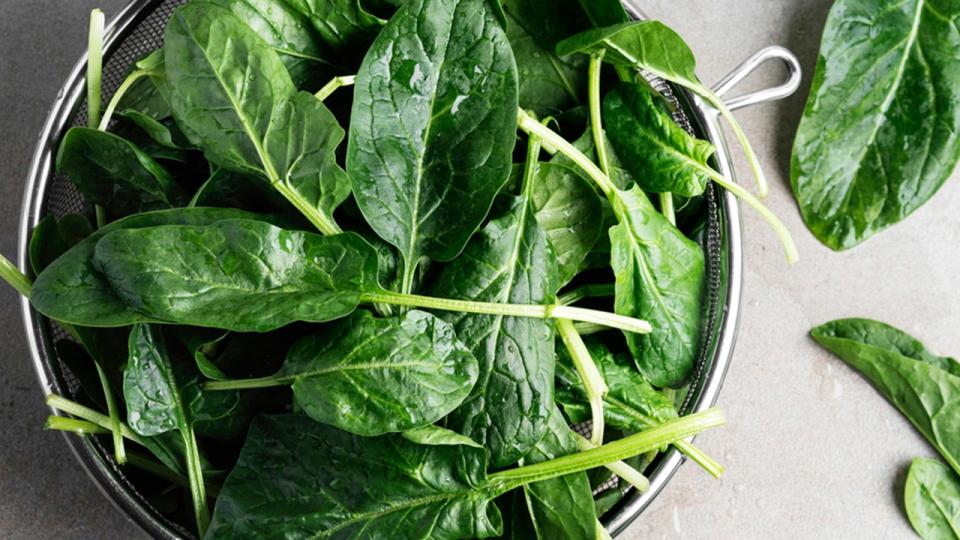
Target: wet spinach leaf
(932, 500)
(662, 156)
(926, 394)
(881, 130)
(433, 127)
(98, 162)
(373, 376)
(509, 261)
(342, 25)
(72, 290)
(233, 98)
(244, 275)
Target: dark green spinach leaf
(881, 130)
(433, 127)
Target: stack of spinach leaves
(379, 339)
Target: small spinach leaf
(928, 396)
(881, 130)
(97, 162)
(661, 155)
(932, 500)
(433, 127)
(433, 435)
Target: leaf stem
(335, 84)
(118, 448)
(12, 275)
(118, 95)
(247, 384)
(762, 186)
(534, 144)
(591, 290)
(529, 125)
(625, 448)
(627, 473)
(94, 67)
(323, 223)
(596, 118)
(612, 320)
(74, 425)
(62, 404)
(789, 247)
(666, 207)
(198, 491)
(593, 382)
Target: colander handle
(745, 69)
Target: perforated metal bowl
(138, 29)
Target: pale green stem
(534, 145)
(593, 383)
(762, 187)
(324, 224)
(94, 67)
(118, 95)
(602, 533)
(74, 425)
(12, 275)
(612, 320)
(586, 291)
(118, 448)
(101, 216)
(249, 384)
(622, 449)
(627, 473)
(529, 125)
(588, 329)
(666, 208)
(335, 84)
(198, 491)
(86, 413)
(596, 118)
(789, 247)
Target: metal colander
(138, 29)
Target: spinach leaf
(346, 489)
(241, 275)
(932, 500)
(233, 98)
(433, 127)
(341, 24)
(928, 396)
(881, 130)
(605, 12)
(660, 277)
(164, 132)
(661, 155)
(433, 435)
(510, 260)
(72, 290)
(548, 84)
(561, 507)
(289, 32)
(51, 238)
(155, 406)
(97, 162)
(569, 210)
(650, 46)
(373, 376)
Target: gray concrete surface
(811, 450)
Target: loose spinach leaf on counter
(372, 376)
(662, 156)
(926, 394)
(433, 127)
(233, 97)
(509, 261)
(881, 130)
(98, 162)
(932, 500)
(72, 290)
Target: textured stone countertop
(811, 450)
